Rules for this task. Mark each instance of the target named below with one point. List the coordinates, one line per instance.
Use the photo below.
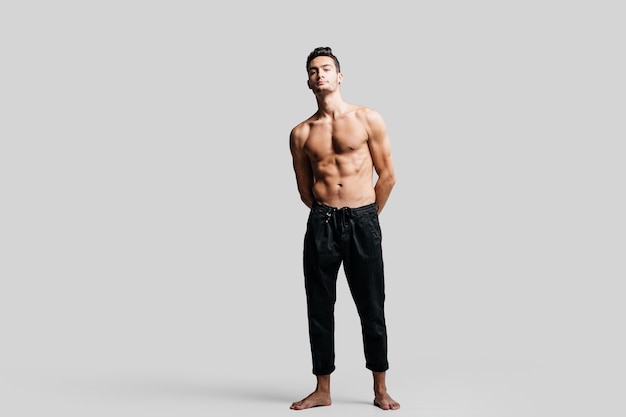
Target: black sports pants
(352, 236)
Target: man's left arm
(380, 149)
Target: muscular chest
(336, 138)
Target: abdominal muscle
(344, 183)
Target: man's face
(323, 75)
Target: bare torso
(340, 159)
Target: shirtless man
(335, 153)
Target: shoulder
(371, 119)
(368, 114)
(299, 134)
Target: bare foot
(385, 402)
(315, 399)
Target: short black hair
(322, 51)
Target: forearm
(383, 187)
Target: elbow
(307, 201)
(386, 182)
(391, 180)
(307, 197)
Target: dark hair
(322, 51)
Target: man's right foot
(315, 399)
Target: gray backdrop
(151, 230)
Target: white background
(151, 232)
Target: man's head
(322, 51)
(324, 75)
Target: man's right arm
(301, 166)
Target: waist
(368, 208)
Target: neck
(330, 104)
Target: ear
(308, 84)
(340, 77)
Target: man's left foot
(385, 402)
